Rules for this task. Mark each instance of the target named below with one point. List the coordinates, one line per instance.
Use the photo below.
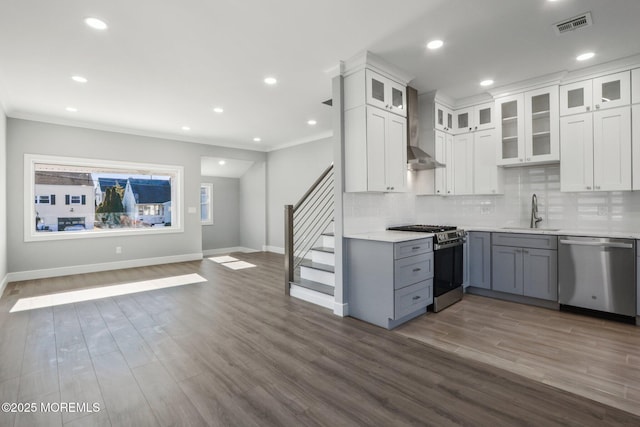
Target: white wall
(290, 173)
(253, 198)
(3, 199)
(25, 136)
(608, 211)
(225, 230)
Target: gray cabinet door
(507, 269)
(540, 274)
(479, 259)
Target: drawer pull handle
(416, 270)
(415, 248)
(416, 297)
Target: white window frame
(177, 196)
(209, 189)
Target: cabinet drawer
(413, 247)
(413, 269)
(535, 241)
(412, 298)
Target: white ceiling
(163, 65)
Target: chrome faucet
(535, 219)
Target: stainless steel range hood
(417, 159)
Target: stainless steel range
(448, 244)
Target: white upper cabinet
(510, 116)
(442, 141)
(529, 132)
(471, 119)
(375, 150)
(385, 93)
(487, 176)
(604, 92)
(444, 118)
(461, 164)
(596, 151)
(635, 86)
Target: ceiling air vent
(580, 21)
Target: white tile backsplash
(614, 211)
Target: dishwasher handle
(601, 244)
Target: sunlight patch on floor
(223, 259)
(231, 262)
(61, 298)
(238, 265)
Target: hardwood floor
(236, 351)
(595, 358)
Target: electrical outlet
(118, 249)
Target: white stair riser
(323, 257)
(331, 228)
(328, 241)
(312, 296)
(319, 276)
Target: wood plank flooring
(594, 358)
(236, 351)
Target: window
(206, 203)
(99, 198)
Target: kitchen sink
(530, 229)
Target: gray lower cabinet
(638, 281)
(388, 283)
(479, 256)
(531, 270)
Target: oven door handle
(449, 245)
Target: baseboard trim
(313, 297)
(93, 268)
(341, 309)
(274, 249)
(221, 251)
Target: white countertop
(404, 236)
(389, 236)
(555, 232)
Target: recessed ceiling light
(96, 24)
(79, 79)
(257, 139)
(585, 56)
(72, 109)
(435, 44)
(270, 80)
(218, 110)
(487, 82)
(222, 163)
(186, 128)
(312, 122)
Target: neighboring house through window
(206, 203)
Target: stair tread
(328, 233)
(315, 286)
(318, 266)
(323, 249)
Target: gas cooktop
(424, 228)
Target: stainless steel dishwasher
(597, 274)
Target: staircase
(309, 244)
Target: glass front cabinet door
(611, 91)
(444, 118)
(385, 93)
(511, 130)
(542, 125)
